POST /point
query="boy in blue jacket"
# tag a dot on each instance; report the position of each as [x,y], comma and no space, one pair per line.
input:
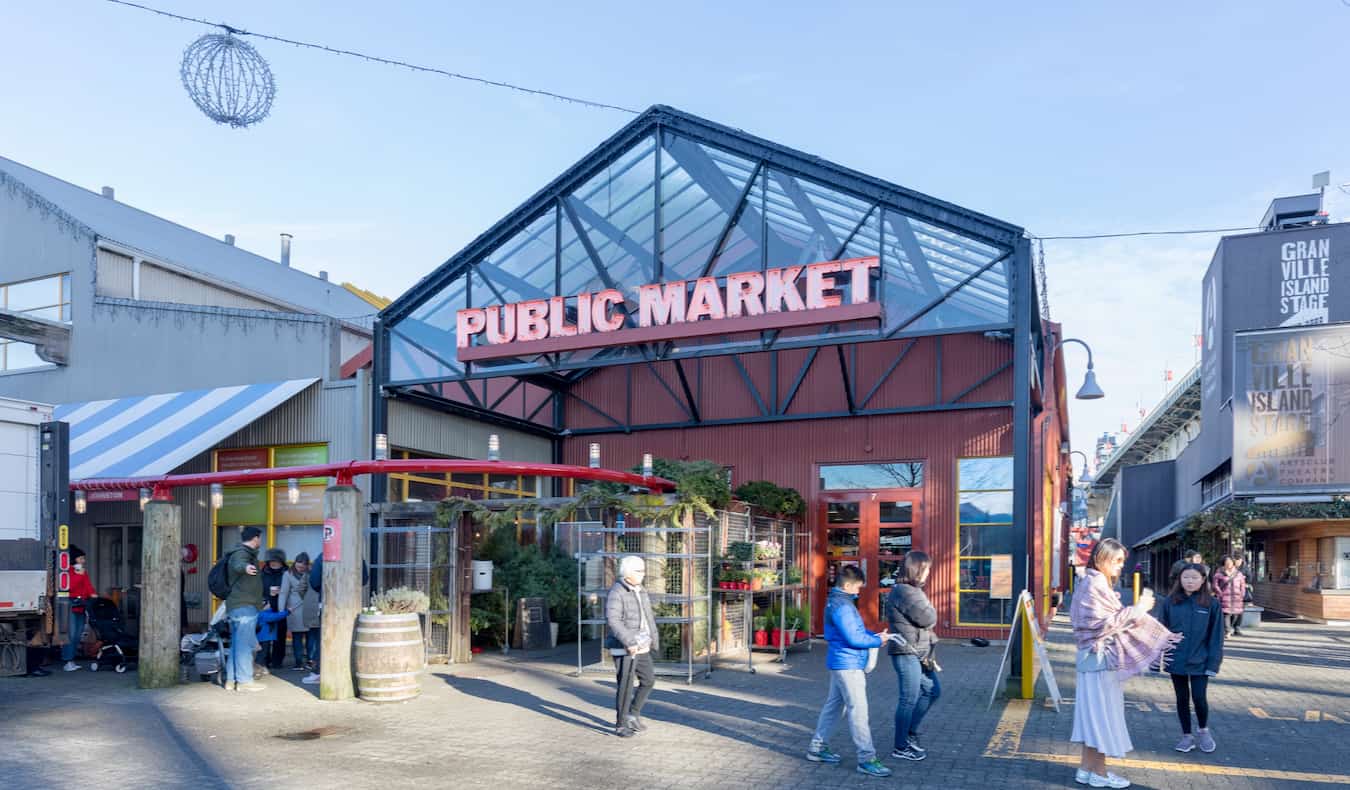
[846,657]
[267,631]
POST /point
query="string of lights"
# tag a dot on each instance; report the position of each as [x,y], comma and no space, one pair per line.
[382,60]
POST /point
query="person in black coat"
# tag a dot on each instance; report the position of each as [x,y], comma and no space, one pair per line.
[1192,610]
[273,569]
[912,617]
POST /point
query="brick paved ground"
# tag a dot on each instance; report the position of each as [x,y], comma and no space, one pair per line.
[1281,704]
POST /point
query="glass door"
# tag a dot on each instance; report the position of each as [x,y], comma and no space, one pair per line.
[871,529]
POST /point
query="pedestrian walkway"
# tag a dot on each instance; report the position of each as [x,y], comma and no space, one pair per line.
[1280,713]
[1278,710]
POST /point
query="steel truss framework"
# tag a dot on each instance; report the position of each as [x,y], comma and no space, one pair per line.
[675,197]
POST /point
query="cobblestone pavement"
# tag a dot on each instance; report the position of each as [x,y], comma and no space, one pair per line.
[1280,712]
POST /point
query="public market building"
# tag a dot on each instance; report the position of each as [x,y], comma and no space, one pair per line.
[695,292]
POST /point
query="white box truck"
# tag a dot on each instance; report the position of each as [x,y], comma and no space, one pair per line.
[34,502]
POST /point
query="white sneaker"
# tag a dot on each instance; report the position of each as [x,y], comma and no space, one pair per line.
[310,679]
[1110,780]
[1082,776]
[71,666]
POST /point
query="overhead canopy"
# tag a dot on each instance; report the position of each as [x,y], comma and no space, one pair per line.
[155,434]
[673,197]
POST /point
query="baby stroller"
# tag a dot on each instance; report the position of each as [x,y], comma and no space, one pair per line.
[115,645]
[207,652]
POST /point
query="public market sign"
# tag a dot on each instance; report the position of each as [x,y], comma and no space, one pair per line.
[791,296]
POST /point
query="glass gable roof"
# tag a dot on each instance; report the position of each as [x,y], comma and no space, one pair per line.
[667,207]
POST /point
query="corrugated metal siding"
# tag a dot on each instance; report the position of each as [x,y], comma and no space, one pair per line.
[787,454]
[114,274]
[418,428]
[162,285]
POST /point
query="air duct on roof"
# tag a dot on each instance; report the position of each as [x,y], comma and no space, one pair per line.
[229,239]
[108,193]
[285,249]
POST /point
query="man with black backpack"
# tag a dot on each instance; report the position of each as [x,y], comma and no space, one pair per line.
[241,607]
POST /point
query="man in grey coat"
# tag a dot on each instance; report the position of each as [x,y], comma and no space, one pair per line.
[631,640]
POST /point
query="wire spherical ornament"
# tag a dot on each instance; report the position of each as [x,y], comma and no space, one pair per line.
[228,80]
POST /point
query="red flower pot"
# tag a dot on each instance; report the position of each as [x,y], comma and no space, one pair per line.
[475,650]
[776,638]
[742,585]
[761,639]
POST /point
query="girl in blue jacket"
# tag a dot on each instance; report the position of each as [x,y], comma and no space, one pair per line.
[1192,611]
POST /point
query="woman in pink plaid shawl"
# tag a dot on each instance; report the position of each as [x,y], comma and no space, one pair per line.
[1115,643]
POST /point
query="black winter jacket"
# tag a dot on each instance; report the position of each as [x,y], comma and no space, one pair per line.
[912,616]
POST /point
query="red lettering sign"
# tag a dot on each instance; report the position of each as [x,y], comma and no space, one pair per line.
[780,298]
[332,540]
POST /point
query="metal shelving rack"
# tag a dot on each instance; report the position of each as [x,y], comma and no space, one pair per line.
[679,574]
[796,548]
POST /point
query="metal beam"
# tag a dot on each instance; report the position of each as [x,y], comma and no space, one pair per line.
[732,218]
[51,338]
[616,235]
[848,384]
[688,394]
[661,380]
[750,384]
[593,407]
[472,412]
[1022,472]
[983,381]
[774,418]
[797,383]
[894,364]
[806,208]
[934,303]
[904,234]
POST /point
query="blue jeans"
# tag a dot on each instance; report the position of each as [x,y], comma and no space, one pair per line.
[73,640]
[243,638]
[303,643]
[848,694]
[315,639]
[918,691]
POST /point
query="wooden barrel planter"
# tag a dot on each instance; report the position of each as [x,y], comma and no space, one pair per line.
[388,655]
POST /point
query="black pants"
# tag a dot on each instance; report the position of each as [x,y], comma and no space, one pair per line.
[1234,620]
[626,703]
[1191,688]
[277,658]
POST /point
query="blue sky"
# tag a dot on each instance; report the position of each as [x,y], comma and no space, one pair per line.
[1064,118]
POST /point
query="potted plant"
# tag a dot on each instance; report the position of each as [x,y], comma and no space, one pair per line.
[761,631]
[741,551]
[794,575]
[767,550]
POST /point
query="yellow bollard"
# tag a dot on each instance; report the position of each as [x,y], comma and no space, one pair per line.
[1028,658]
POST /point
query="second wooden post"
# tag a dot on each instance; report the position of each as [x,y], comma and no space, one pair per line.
[341,589]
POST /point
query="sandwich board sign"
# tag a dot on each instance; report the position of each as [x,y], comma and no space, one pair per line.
[1026,610]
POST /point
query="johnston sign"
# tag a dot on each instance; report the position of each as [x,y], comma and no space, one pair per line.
[747,302]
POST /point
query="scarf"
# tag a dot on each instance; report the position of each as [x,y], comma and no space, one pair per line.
[1131,639]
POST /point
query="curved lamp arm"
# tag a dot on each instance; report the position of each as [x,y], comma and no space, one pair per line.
[1089,390]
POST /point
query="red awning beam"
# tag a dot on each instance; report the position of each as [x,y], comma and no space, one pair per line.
[160,485]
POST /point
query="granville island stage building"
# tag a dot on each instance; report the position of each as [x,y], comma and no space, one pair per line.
[691,291]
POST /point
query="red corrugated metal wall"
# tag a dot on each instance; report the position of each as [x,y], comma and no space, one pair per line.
[788,453]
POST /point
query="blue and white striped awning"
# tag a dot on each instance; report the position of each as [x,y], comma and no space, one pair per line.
[155,434]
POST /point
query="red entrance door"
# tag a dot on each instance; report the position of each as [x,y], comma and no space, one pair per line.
[874,530]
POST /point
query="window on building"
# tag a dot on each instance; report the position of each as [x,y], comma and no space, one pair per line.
[1290,571]
[848,477]
[1333,563]
[984,530]
[431,487]
[45,297]
[1216,485]
[293,527]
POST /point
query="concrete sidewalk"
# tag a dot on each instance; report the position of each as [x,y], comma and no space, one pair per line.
[1280,708]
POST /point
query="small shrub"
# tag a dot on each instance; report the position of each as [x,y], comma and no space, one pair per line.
[401,600]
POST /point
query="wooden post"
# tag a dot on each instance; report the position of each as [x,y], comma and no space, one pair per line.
[161,540]
[341,590]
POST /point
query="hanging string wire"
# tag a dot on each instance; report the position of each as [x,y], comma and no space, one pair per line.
[386,61]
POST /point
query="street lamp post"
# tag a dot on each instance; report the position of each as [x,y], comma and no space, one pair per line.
[1089,390]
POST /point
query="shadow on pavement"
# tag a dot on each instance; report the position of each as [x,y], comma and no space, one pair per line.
[498,692]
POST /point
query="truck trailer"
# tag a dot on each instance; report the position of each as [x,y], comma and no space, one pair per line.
[34,514]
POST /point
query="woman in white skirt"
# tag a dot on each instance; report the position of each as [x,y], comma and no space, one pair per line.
[1114,643]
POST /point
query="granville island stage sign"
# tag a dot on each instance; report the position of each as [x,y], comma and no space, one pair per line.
[791,296]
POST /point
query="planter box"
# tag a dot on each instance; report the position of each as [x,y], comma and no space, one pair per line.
[1251,616]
